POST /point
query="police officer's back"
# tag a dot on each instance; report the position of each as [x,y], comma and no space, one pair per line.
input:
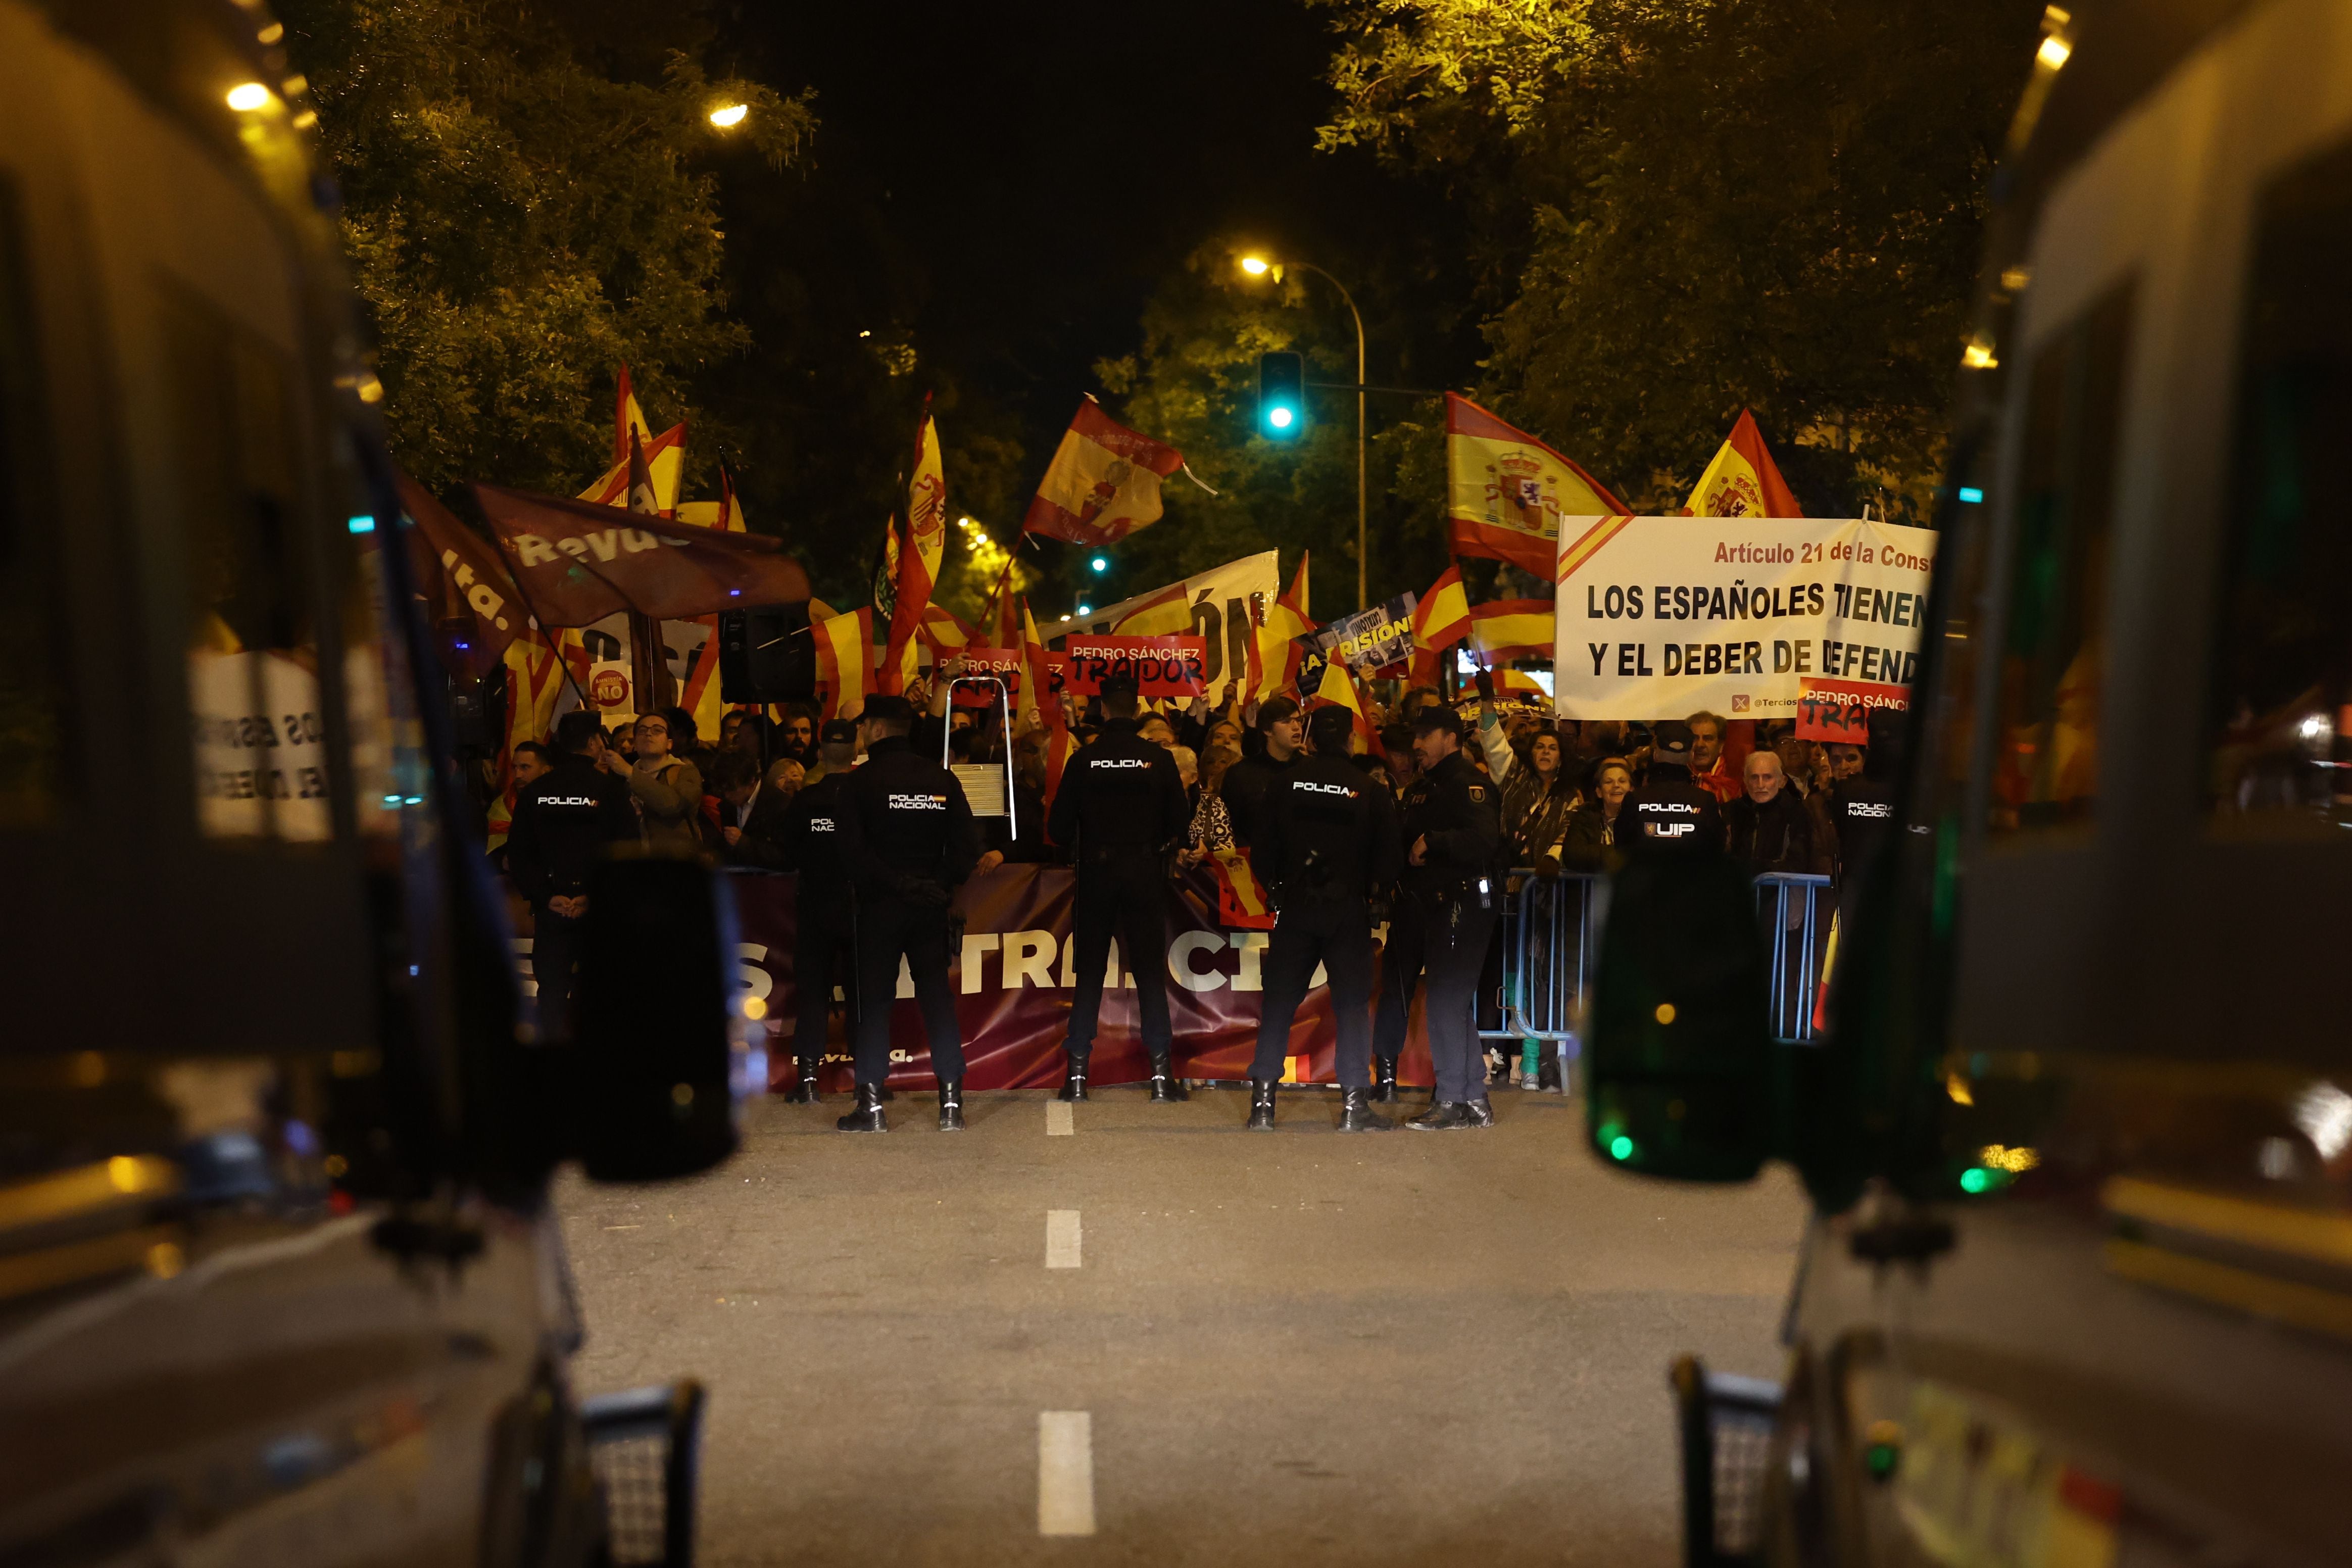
[908,839]
[1669,813]
[1121,808]
[1327,846]
[1453,835]
[563,823]
[822,953]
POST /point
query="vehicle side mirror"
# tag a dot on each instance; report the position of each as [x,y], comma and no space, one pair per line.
[1682,1059]
[656,1021]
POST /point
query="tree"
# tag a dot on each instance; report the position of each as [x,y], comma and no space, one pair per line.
[1691,206]
[529,201]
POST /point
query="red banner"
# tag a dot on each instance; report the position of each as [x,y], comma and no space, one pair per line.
[1162,666]
[1838,711]
[1012,982]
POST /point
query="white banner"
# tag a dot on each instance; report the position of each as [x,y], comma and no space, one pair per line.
[1662,616]
[1223,603]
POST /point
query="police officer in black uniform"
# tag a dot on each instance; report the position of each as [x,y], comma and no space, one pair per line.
[908,839]
[1327,847]
[563,822]
[1403,955]
[824,952]
[1670,814]
[1453,835]
[1863,808]
[1121,807]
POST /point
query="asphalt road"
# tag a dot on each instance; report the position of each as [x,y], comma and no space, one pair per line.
[1291,1347]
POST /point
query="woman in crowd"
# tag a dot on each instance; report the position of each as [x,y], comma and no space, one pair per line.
[1536,801]
[1591,842]
[1212,826]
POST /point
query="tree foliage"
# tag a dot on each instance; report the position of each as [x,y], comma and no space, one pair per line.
[529,201]
[1690,207]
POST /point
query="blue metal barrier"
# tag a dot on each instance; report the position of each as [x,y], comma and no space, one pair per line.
[1795,910]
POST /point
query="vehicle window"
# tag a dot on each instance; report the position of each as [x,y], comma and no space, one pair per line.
[2053,651]
[253,657]
[2283,653]
[32,705]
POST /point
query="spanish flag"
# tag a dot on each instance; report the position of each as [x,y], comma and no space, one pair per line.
[1274,657]
[699,694]
[845,662]
[1508,491]
[1165,613]
[918,565]
[1743,480]
[1103,483]
[1037,692]
[1241,901]
[1441,618]
[1514,628]
[1340,685]
[665,456]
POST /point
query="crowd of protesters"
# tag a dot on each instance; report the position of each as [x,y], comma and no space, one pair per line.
[1782,805]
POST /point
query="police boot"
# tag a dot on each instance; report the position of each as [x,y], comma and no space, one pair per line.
[1357,1115]
[1477,1113]
[804,1091]
[1443,1116]
[1166,1087]
[868,1115]
[1261,1105]
[1385,1088]
[951,1106]
[1073,1080]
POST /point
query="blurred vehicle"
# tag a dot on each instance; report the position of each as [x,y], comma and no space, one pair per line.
[278,1280]
[2078,1289]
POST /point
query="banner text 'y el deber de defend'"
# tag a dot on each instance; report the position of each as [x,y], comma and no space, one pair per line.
[1662,616]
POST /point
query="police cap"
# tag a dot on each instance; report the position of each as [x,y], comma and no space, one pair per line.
[838,732]
[885,709]
[1437,719]
[1670,742]
[1118,686]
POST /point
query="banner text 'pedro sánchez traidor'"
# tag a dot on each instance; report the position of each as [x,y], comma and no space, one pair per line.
[1660,616]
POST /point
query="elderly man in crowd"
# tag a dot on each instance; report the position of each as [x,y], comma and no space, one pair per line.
[1770,830]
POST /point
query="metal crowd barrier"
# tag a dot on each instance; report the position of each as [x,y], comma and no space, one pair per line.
[1552,945]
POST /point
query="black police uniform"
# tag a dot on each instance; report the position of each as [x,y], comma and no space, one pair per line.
[908,839]
[825,925]
[1121,807]
[561,825]
[1457,897]
[1863,811]
[1249,784]
[1326,845]
[1403,955]
[1670,815]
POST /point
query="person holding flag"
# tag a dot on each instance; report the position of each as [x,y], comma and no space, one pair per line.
[1120,806]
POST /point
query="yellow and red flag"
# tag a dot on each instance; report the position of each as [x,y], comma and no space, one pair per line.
[1241,903]
[1037,692]
[1508,491]
[1103,483]
[701,694]
[919,561]
[1274,657]
[845,662]
[1340,685]
[1166,612]
[1441,618]
[1004,626]
[1513,629]
[944,633]
[1743,480]
[665,456]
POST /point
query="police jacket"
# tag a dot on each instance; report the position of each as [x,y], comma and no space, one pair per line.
[1863,811]
[906,829]
[1248,784]
[811,837]
[1120,798]
[1454,807]
[562,823]
[1669,814]
[1329,832]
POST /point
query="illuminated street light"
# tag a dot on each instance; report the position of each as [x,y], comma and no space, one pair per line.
[1100,563]
[1256,265]
[728,116]
[247,96]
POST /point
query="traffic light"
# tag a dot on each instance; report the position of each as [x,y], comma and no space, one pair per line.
[1281,395]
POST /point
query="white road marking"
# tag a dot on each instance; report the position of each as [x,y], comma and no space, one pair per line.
[1065,1472]
[1058,1123]
[1061,1238]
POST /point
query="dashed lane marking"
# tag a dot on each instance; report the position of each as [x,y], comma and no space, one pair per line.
[1058,1120]
[1062,1238]
[1065,1472]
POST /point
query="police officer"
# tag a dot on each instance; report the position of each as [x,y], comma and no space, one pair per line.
[823,954]
[1250,782]
[1453,835]
[1121,807]
[1327,847]
[908,839]
[1670,813]
[1863,808]
[562,823]
[1403,955]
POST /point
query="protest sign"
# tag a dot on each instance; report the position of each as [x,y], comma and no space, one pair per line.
[1660,616]
[1220,605]
[1162,666]
[1839,710]
[1368,640]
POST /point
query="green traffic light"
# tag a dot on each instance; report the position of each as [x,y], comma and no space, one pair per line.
[1100,563]
[1975,1179]
[1620,1147]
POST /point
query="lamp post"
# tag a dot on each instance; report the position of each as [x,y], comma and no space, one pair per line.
[1259,266]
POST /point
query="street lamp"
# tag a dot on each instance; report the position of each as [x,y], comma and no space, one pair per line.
[728,116]
[1259,267]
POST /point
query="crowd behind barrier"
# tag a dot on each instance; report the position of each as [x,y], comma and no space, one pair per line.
[1561,792]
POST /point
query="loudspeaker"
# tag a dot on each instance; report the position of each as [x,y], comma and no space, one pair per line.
[767,655]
